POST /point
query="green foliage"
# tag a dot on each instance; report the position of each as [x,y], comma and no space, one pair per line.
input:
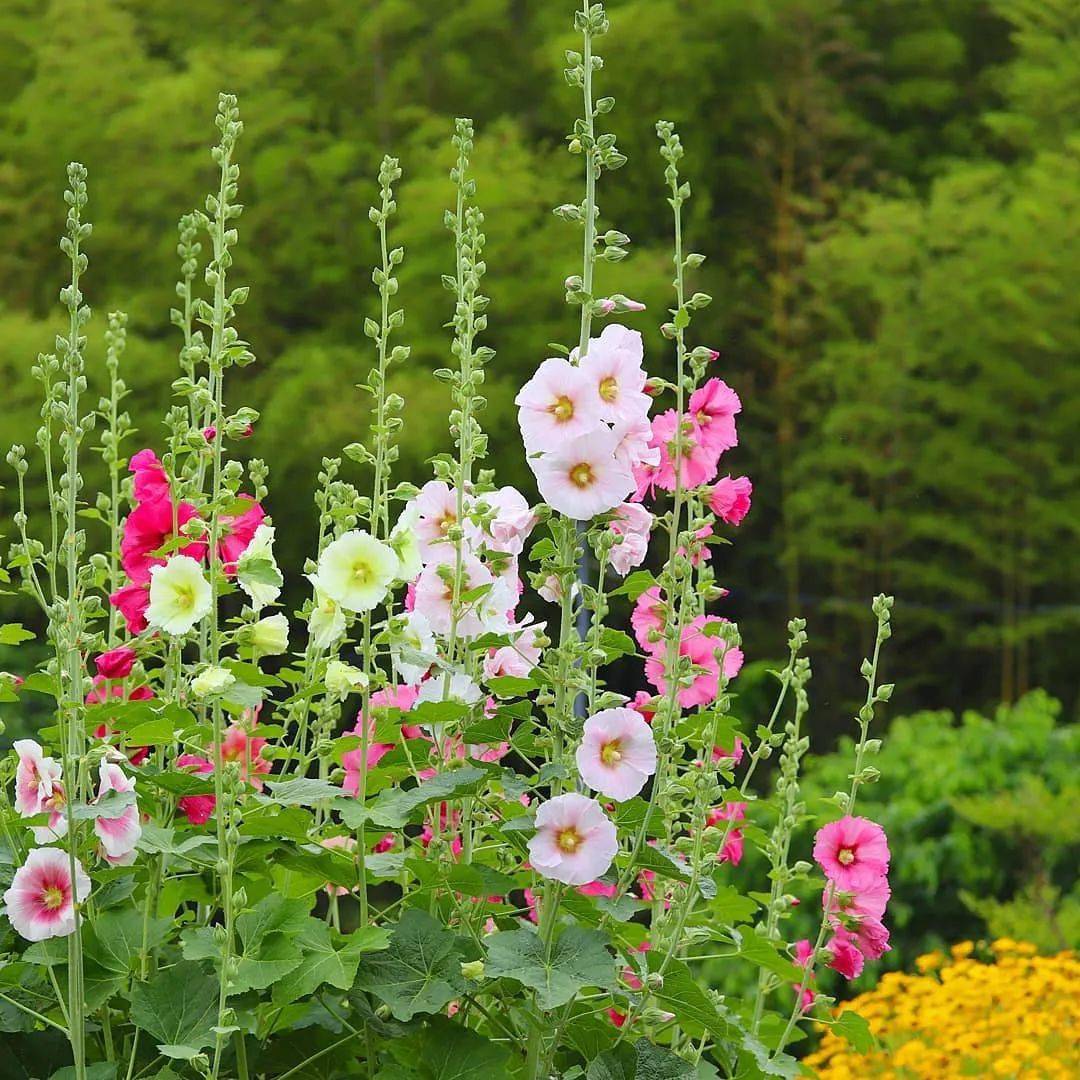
[979,815]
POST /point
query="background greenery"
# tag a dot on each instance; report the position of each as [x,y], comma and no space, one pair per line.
[889,193]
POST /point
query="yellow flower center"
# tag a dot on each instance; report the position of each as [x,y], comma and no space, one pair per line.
[185,598]
[361,572]
[562,409]
[611,752]
[52,898]
[569,840]
[845,856]
[581,474]
[609,388]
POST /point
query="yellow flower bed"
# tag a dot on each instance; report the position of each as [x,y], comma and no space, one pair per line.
[1015,1016]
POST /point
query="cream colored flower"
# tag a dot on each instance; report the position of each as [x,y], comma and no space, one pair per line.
[356,570]
[179,595]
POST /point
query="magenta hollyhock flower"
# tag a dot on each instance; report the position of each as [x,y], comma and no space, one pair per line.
[850,849]
[598,888]
[713,408]
[196,808]
[867,896]
[617,753]
[846,957]
[613,369]
[674,436]
[702,650]
[116,663]
[557,404]
[804,952]
[581,477]
[237,531]
[644,704]
[150,480]
[132,601]
[118,835]
[735,754]
[40,901]
[648,619]
[872,938]
[732,851]
[147,528]
[730,498]
[35,776]
[575,842]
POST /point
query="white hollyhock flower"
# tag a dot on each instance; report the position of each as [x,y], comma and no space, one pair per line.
[179,595]
[344,679]
[413,652]
[211,681]
[269,636]
[405,541]
[257,571]
[356,570]
[326,623]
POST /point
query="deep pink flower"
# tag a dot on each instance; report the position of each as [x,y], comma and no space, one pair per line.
[40,900]
[674,437]
[732,851]
[147,528]
[872,938]
[101,691]
[644,704]
[151,482]
[701,648]
[132,601]
[846,957]
[648,619]
[241,746]
[850,849]
[713,408]
[730,498]
[867,896]
[116,663]
[196,808]
[598,888]
[804,951]
[719,753]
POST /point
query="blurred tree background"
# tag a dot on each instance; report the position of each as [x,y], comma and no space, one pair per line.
[888,192]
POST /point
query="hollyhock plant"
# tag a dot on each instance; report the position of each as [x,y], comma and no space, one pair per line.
[632,523]
[559,403]
[613,367]
[649,619]
[730,499]
[34,778]
[132,601]
[120,833]
[713,408]
[356,570]
[581,477]
[41,899]
[704,651]
[116,663]
[617,754]
[575,841]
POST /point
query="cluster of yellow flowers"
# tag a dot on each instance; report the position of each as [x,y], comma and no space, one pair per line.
[1015,1016]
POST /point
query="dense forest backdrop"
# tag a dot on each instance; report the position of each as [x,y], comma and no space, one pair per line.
[888,192]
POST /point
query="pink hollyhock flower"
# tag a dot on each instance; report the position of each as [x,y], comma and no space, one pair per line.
[649,892]
[644,704]
[713,407]
[674,437]
[698,551]
[338,843]
[719,753]
[101,691]
[209,434]
[517,659]
[384,843]
[40,901]
[511,525]
[55,806]
[532,905]
[352,760]
[732,851]
[147,528]
[132,601]
[617,753]
[804,952]
[613,368]
[849,849]
[436,507]
[237,531]
[116,663]
[196,808]
[633,447]
[702,650]
[598,888]
[557,404]
[872,938]
[616,1017]
[150,479]
[395,697]
[575,843]
[633,523]
[649,618]
[35,776]
[240,745]
[846,957]
[435,592]
[867,896]
[118,835]
[730,499]
[449,823]
[581,477]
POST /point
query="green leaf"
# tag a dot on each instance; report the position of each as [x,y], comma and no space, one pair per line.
[178,1006]
[644,1062]
[14,633]
[856,1030]
[328,959]
[506,686]
[393,806]
[115,938]
[637,583]
[302,791]
[445,1051]
[729,906]
[682,995]
[578,958]
[757,950]
[420,970]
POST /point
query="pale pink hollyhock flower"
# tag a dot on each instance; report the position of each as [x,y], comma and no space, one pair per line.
[849,849]
[35,776]
[196,808]
[436,506]
[649,618]
[116,663]
[517,659]
[118,835]
[238,530]
[57,827]
[730,498]
[617,753]
[551,589]
[713,408]
[633,523]
[613,367]
[41,900]
[558,403]
[434,591]
[846,957]
[132,601]
[513,520]
[575,843]
[581,477]
[701,649]
[338,843]
[634,447]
